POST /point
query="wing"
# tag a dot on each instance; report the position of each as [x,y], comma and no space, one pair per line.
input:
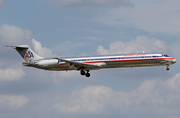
[79,65]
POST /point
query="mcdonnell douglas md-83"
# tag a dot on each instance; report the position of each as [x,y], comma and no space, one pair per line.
[85,64]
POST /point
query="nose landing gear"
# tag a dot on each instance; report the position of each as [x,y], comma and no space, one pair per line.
[87,74]
[167,67]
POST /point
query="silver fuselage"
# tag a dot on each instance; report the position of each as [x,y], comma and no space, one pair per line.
[111,61]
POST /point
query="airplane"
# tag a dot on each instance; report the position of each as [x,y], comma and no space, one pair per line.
[87,63]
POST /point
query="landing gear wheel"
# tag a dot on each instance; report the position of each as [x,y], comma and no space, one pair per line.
[82,72]
[87,74]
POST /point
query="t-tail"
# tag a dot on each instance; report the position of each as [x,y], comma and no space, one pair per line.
[26,53]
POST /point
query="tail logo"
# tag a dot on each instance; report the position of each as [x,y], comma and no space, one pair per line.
[29,54]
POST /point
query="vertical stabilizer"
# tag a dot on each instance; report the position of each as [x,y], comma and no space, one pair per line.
[26,53]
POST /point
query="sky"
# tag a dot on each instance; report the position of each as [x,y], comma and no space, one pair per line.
[58,28]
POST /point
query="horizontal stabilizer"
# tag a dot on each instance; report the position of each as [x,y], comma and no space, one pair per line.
[19,46]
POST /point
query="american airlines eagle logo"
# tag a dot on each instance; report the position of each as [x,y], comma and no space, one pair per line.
[29,54]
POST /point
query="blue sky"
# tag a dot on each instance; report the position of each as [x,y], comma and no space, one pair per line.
[89,27]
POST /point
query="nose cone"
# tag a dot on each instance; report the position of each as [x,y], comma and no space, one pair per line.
[173,61]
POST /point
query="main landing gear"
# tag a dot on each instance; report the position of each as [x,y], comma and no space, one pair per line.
[87,74]
[167,67]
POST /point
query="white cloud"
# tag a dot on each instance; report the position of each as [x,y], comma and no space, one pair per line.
[10,74]
[162,16]
[138,45]
[155,96]
[86,100]
[10,34]
[68,3]
[41,51]
[1,3]
[14,101]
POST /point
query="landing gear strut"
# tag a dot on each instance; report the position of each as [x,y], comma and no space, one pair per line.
[167,67]
[87,74]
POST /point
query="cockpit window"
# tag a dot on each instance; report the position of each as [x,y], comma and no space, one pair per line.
[165,55]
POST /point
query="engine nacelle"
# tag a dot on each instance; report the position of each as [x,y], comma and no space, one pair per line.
[48,63]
